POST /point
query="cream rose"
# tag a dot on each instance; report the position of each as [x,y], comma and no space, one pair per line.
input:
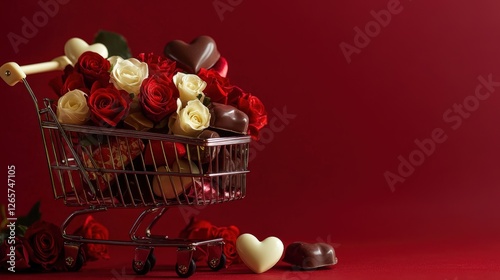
[189,86]
[190,120]
[128,74]
[72,108]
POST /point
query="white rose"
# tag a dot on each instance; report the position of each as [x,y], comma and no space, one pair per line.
[72,108]
[190,120]
[128,74]
[189,86]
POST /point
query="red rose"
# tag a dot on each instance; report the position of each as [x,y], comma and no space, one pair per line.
[94,68]
[194,226]
[74,80]
[217,88]
[91,229]
[200,230]
[108,106]
[21,256]
[229,234]
[46,249]
[158,98]
[203,230]
[159,65]
[234,96]
[70,80]
[253,107]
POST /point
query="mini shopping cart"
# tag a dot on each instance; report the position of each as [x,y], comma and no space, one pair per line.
[132,179]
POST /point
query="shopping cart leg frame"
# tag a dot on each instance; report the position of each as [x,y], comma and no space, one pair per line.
[151,240]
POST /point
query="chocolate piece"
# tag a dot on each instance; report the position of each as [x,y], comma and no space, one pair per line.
[200,53]
[206,154]
[138,122]
[227,163]
[228,118]
[310,256]
[135,187]
[172,186]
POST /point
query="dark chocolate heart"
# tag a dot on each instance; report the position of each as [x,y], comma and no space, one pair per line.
[310,256]
[200,53]
[228,118]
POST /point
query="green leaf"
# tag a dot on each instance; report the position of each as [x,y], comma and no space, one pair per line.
[116,43]
[32,216]
[21,230]
[206,100]
[4,234]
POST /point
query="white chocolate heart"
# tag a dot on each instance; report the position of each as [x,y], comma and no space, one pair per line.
[259,256]
[74,47]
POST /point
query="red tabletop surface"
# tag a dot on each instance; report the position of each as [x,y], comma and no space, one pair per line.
[421,259]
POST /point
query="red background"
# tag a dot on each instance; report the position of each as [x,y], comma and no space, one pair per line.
[320,178]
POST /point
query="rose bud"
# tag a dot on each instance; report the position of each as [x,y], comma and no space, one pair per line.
[72,108]
[93,67]
[191,120]
[158,98]
[189,86]
[108,106]
[128,74]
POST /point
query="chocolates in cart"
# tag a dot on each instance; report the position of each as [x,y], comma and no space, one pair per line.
[153,128]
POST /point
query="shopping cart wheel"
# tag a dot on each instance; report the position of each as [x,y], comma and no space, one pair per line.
[144,260]
[212,263]
[80,259]
[142,269]
[73,256]
[152,260]
[184,271]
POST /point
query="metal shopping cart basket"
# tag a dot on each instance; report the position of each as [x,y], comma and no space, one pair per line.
[122,168]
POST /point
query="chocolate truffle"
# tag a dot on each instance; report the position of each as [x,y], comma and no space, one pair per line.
[206,154]
[171,186]
[228,118]
[228,162]
[309,256]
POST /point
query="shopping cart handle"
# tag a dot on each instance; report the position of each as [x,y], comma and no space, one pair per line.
[12,73]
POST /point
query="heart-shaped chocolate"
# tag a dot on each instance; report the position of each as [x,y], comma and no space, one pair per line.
[200,53]
[74,47]
[259,256]
[310,256]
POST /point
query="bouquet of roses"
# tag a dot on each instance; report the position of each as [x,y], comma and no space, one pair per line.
[152,92]
[185,92]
